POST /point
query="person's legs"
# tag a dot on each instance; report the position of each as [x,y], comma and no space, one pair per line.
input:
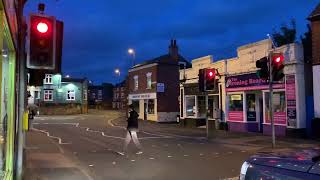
[127,141]
[136,140]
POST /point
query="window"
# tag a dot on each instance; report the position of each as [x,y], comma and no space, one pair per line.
[48,79]
[37,94]
[122,95]
[151,106]
[236,102]
[99,94]
[149,81]
[190,106]
[48,95]
[182,65]
[201,106]
[251,107]
[85,95]
[279,107]
[136,82]
[71,95]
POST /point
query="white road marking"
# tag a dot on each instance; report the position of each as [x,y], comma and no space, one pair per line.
[185,155]
[133,160]
[114,163]
[91,165]
[169,156]
[201,154]
[151,158]
[48,134]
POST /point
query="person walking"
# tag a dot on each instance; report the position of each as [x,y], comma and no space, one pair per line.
[132,129]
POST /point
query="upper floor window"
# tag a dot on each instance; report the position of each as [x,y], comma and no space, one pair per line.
[99,94]
[48,95]
[136,82]
[37,94]
[149,80]
[85,95]
[48,79]
[71,95]
[182,65]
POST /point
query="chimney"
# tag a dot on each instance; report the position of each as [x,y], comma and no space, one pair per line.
[173,50]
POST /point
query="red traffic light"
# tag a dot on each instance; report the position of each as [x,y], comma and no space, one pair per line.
[277,58]
[211,73]
[42,27]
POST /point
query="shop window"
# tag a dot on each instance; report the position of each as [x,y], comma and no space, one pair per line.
[213,107]
[251,107]
[201,106]
[149,81]
[48,95]
[279,107]
[48,79]
[136,105]
[190,105]
[71,95]
[236,102]
[151,106]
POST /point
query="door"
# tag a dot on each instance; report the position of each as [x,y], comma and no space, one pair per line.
[145,107]
[260,114]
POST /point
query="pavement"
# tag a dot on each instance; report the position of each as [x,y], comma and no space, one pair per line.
[88,146]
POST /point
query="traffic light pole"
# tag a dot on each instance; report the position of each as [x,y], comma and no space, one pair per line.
[271,101]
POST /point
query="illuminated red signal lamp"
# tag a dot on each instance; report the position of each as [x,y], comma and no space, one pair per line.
[42,27]
[278,58]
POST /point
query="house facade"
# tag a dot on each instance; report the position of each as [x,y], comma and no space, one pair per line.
[314,18]
[154,86]
[241,97]
[60,95]
[100,96]
[120,96]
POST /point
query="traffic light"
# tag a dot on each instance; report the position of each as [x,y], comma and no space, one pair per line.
[210,79]
[207,80]
[201,81]
[42,42]
[262,65]
[277,66]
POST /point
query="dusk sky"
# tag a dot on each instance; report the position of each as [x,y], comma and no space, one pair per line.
[98,33]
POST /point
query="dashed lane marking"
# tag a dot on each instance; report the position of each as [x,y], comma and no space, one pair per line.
[48,134]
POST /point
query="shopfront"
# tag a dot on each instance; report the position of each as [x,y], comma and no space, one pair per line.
[248,104]
[145,104]
[7,99]
[197,106]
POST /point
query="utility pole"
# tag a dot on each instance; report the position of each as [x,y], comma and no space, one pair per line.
[271,94]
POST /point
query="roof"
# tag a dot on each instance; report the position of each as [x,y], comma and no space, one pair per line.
[315,13]
[73,80]
[162,59]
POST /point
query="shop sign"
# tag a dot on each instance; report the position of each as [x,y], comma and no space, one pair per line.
[291,100]
[143,96]
[160,87]
[248,82]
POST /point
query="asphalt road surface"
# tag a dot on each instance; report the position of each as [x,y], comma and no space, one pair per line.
[93,141]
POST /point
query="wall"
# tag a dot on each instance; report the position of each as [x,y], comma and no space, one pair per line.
[168,100]
[141,72]
[316,89]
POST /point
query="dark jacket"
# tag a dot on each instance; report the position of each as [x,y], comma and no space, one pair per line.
[133,120]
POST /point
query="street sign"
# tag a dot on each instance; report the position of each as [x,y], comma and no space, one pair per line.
[160,87]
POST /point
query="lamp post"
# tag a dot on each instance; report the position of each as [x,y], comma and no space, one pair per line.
[133,53]
[117,72]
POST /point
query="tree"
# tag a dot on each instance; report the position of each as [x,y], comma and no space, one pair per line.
[306,41]
[286,34]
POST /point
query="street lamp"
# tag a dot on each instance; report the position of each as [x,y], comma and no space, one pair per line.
[133,53]
[117,71]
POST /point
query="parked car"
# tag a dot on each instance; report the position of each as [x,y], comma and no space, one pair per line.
[304,164]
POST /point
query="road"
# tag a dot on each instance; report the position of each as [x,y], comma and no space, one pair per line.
[91,142]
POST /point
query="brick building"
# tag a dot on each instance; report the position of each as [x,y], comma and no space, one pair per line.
[120,96]
[154,86]
[314,18]
[100,96]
